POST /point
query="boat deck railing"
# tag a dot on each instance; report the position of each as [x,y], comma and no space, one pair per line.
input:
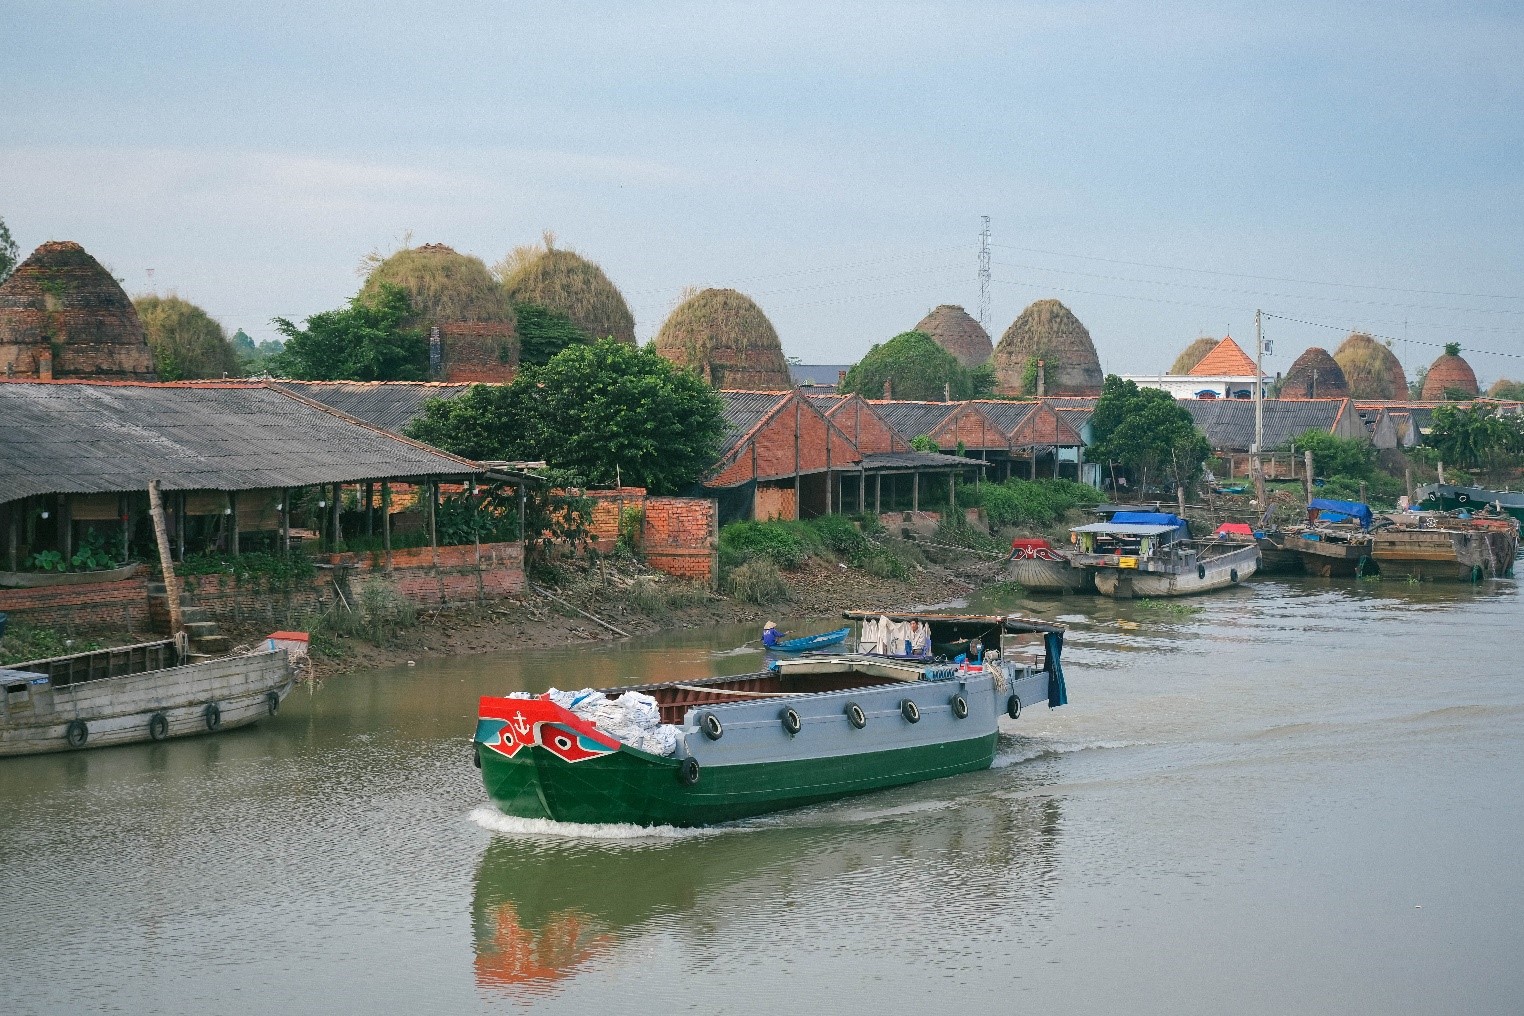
[100,664]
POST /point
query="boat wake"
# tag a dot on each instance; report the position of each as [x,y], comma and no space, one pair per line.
[1029,750]
[495,821]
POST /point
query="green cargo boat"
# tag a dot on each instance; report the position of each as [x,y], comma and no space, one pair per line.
[1448,497]
[807,730]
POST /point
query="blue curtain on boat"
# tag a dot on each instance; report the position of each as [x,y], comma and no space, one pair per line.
[1058,695]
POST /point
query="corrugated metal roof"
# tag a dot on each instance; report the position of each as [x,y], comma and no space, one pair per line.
[390,405]
[743,411]
[1006,415]
[913,419]
[1229,423]
[106,438]
[917,460]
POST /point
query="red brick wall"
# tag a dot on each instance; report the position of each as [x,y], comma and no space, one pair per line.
[121,604]
[481,351]
[603,526]
[865,427]
[679,537]
[971,427]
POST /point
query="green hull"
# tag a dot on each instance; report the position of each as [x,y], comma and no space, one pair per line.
[630,786]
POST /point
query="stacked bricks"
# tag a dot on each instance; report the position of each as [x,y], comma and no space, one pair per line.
[97,605]
[603,523]
[479,351]
[680,537]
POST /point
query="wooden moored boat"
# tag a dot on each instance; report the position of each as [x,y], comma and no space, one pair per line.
[1450,497]
[806,730]
[134,693]
[1036,566]
[1435,545]
[1336,541]
[1152,554]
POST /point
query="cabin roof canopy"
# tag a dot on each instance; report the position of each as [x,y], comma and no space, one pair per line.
[85,438]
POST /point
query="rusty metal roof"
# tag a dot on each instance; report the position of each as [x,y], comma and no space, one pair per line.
[743,411]
[82,437]
[390,405]
[913,419]
[1229,423]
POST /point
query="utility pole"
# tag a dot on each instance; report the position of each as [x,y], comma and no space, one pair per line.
[984,272]
[1259,384]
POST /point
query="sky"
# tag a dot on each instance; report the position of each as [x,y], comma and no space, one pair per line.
[1163,169]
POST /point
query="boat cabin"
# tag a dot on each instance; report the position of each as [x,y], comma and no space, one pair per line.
[1128,538]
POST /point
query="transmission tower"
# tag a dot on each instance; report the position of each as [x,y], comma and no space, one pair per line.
[984,272]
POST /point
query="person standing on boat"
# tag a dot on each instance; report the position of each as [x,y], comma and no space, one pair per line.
[770,635]
[919,643]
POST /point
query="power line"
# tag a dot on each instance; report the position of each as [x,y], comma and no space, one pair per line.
[1390,338]
[1262,278]
[984,273]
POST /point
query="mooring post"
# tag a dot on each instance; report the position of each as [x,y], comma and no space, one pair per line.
[166,564]
[1407,479]
[1307,459]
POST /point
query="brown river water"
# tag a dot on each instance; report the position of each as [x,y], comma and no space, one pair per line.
[1295,796]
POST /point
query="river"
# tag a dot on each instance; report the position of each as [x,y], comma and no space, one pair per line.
[1297,795]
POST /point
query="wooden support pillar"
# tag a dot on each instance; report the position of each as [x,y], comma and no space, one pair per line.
[1259,488]
[1307,478]
[523,510]
[336,525]
[167,566]
[952,491]
[11,511]
[124,510]
[386,521]
[862,492]
[180,523]
[878,493]
[915,491]
[233,522]
[433,525]
[1363,497]
[370,514]
[285,520]
[66,526]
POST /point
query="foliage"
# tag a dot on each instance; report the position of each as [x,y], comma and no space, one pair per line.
[365,341]
[543,333]
[601,413]
[1027,502]
[1509,391]
[1457,395]
[1452,349]
[1144,429]
[491,514]
[376,613]
[186,342]
[658,597]
[563,281]
[10,255]
[757,582]
[1337,456]
[789,544]
[1475,437]
[282,570]
[956,532]
[97,551]
[1415,388]
[254,359]
[1381,490]
[925,443]
[917,368]
[24,642]
[784,543]
[48,560]
[632,522]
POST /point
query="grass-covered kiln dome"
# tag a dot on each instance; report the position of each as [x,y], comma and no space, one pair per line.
[1047,331]
[1450,377]
[723,336]
[1192,355]
[953,329]
[567,283]
[457,294]
[63,315]
[1315,375]
[1371,370]
[186,341]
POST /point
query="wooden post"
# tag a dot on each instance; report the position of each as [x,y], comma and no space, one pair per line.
[1363,498]
[166,565]
[1307,479]
[285,520]
[915,491]
[386,521]
[66,526]
[1259,485]
[1407,477]
[1180,497]
[878,493]
[370,514]
[952,491]
[1441,470]
[10,518]
[123,508]
[433,527]
[233,522]
[862,491]
[180,521]
[337,524]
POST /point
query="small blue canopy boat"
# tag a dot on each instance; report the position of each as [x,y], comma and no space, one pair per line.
[805,643]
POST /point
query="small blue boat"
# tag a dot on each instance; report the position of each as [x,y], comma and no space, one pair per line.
[808,642]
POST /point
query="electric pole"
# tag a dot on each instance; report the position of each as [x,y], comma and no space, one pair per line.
[1259,384]
[984,273]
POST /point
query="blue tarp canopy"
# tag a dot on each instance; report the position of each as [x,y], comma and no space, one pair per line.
[1148,519]
[1330,510]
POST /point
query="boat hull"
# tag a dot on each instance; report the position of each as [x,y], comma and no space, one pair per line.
[1449,497]
[119,710]
[1213,573]
[1045,576]
[1276,557]
[1445,555]
[558,769]
[1327,559]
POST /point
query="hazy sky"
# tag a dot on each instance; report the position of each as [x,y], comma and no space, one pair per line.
[1162,169]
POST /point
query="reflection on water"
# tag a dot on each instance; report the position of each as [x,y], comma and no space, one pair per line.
[545,906]
[1295,775]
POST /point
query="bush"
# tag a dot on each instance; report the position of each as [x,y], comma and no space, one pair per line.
[958,533]
[377,613]
[24,642]
[656,598]
[1027,502]
[757,582]
[840,535]
[1381,490]
[785,544]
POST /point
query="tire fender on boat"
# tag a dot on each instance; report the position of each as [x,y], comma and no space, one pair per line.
[1233,574]
[855,715]
[791,721]
[272,701]
[213,716]
[712,727]
[1201,571]
[158,727]
[688,772]
[910,711]
[77,733]
[1013,707]
[959,707]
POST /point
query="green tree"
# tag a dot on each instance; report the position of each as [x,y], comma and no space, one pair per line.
[365,341]
[9,253]
[599,413]
[1475,437]
[255,358]
[917,368]
[1147,432]
[1337,456]
[186,342]
[543,333]
[925,443]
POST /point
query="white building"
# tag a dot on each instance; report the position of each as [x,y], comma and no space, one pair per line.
[1226,372]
